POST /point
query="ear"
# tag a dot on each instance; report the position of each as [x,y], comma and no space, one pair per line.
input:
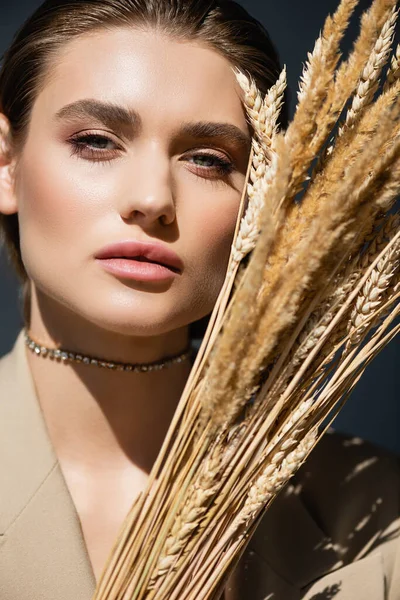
[8,200]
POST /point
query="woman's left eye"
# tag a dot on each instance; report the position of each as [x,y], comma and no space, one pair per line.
[85,146]
[221,166]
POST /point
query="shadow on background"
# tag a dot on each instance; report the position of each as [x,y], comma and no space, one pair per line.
[372,411]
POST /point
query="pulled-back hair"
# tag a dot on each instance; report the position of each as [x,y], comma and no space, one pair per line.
[223,25]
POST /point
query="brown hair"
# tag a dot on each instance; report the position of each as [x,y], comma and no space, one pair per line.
[221,24]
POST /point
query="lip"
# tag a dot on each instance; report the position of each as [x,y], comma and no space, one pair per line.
[127,268]
[154,252]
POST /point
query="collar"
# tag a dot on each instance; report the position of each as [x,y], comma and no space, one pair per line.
[43,543]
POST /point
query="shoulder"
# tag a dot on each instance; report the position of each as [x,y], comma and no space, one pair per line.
[344,451]
[351,487]
[342,506]
[345,467]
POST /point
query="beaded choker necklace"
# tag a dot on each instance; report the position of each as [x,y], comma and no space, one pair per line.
[68,356]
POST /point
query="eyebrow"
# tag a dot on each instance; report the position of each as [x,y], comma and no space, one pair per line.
[116,116]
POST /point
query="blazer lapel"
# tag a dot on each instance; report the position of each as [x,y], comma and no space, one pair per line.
[42,549]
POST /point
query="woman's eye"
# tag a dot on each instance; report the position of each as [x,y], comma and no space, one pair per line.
[91,145]
[213,163]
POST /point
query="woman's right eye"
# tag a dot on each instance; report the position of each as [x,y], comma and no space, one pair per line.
[82,145]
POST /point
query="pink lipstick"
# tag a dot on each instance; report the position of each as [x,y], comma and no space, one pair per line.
[140,261]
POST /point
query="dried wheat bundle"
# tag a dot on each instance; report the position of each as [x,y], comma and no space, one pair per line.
[295,325]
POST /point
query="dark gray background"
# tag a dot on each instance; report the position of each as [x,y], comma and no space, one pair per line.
[373,409]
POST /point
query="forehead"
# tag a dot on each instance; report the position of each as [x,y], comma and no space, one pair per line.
[173,78]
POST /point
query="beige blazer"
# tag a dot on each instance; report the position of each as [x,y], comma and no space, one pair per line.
[332,533]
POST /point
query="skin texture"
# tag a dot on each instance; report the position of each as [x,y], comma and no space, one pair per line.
[107,427]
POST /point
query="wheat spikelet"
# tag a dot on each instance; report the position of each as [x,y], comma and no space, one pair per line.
[274,477]
[264,115]
[293,425]
[392,290]
[272,107]
[369,80]
[371,293]
[390,189]
[389,224]
[394,70]
[317,326]
[250,224]
[190,516]
[257,171]
[306,76]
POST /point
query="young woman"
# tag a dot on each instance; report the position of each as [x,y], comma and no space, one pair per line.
[124,142]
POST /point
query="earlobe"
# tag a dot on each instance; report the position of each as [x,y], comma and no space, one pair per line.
[8,200]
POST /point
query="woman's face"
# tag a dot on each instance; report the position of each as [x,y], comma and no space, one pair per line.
[147,180]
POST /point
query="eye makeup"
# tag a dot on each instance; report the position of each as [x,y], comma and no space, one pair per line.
[82,146]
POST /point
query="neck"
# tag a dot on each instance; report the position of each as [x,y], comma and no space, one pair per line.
[98,416]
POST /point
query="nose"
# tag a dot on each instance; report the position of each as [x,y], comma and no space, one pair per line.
[150,196]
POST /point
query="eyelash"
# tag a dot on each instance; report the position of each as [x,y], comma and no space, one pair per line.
[80,144]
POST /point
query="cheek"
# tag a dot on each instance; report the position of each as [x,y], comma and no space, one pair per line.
[209,227]
[57,207]
[212,225]
[52,197]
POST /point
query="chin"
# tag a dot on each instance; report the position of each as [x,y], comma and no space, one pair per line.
[129,322]
[121,314]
